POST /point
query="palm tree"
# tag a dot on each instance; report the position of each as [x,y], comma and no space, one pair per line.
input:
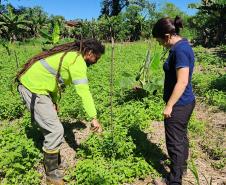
[37,20]
[11,25]
[113,7]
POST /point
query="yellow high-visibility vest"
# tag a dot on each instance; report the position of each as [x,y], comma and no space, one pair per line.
[40,78]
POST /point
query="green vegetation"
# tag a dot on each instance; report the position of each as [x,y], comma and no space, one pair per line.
[195,172]
[122,153]
[19,154]
[116,147]
[130,20]
[210,79]
[117,155]
[210,22]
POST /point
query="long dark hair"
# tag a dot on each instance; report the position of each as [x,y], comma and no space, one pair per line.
[167,26]
[82,47]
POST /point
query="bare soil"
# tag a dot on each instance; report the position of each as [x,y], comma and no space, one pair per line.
[215,125]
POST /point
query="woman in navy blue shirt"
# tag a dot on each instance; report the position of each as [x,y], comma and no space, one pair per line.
[178,95]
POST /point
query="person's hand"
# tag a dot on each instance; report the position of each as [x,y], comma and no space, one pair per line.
[96,126]
[167,111]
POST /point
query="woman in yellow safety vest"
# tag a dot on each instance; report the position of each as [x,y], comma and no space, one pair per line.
[39,85]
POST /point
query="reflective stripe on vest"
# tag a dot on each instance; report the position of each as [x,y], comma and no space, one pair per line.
[80,81]
[50,69]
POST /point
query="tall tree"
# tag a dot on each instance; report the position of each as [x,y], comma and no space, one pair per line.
[105,8]
[112,7]
[12,25]
[37,18]
[170,10]
[210,21]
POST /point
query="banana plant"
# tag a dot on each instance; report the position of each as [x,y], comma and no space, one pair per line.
[12,25]
[54,37]
[126,82]
[38,20]
[144,72]
[148,77]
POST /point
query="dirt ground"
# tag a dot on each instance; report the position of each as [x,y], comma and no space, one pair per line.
[216,123]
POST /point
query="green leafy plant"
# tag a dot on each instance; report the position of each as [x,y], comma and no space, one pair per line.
[194,171]
[147,78]
[5,44]
[54,36]
[109,159]
[19,157]
[11,24]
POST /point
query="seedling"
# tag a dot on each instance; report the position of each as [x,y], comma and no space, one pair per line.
[147,79]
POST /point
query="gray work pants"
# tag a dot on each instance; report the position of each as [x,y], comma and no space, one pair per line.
[45,115]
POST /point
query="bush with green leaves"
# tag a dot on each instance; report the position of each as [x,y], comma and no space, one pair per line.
[11,105]
[209,58]
[19,156]
[196,126]
[210,80]
[100,171]
[109,159]
[205,85]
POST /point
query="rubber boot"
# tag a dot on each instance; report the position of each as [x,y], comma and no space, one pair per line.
[53,175]
[62,164]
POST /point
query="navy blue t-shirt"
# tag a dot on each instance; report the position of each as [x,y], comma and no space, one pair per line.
[180,55]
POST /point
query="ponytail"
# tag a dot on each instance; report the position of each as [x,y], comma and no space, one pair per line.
[57,49]
[82,47]
[178,24]
[167,26]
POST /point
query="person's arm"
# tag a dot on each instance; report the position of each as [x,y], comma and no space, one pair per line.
[80,81]
[182,82]
[87,99]
[88,104]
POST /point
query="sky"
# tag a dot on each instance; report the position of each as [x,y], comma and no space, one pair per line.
[85,9]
